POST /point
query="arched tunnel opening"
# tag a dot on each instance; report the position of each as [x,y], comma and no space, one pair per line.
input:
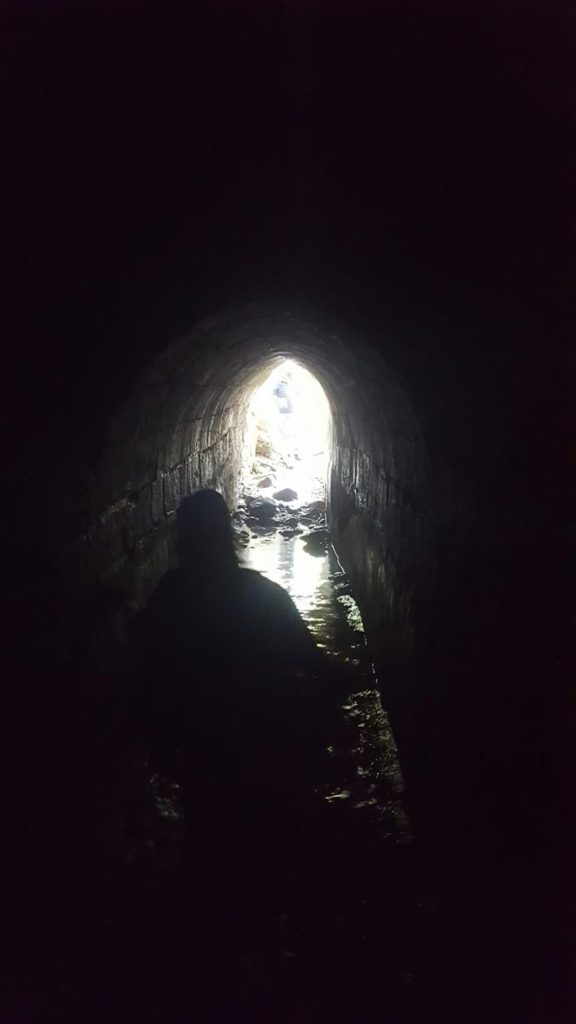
[411,740]
[190,423]
[417,749]
[369,593]
[290,420]
[354,549]
[356,553]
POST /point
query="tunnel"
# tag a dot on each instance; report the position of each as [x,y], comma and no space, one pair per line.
[418,539]
[184,428]
[376,192]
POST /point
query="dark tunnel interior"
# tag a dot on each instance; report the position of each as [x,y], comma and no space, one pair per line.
[378,192]
[184,428]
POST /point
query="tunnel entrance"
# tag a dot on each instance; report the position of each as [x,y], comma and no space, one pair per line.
[288,435]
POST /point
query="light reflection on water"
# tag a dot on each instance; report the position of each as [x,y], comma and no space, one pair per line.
[367,771]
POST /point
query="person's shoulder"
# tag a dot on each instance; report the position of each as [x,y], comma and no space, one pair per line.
[255,581]
[172,582]
[253,578]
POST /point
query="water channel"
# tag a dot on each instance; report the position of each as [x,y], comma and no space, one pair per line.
[366,775]
[360,947]
[347,945]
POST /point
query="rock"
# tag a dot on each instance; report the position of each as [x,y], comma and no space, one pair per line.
[266,481]
[316,541]
[315,520]
[263,508]
[286,494]
[315,551]
[320,504]
[239,528]
[263,448]
[317,535]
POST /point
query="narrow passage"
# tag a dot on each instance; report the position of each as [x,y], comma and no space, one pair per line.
[365,774]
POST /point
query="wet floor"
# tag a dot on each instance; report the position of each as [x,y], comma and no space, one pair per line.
[365,771]
[346,946]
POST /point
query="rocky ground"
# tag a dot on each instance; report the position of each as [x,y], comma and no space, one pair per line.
[279,496]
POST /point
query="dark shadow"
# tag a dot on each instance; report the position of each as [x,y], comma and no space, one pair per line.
[231,698]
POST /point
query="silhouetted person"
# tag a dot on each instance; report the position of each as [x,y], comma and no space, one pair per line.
[230,679]
[215,635]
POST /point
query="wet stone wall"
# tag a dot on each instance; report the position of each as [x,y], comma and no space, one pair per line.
[130,543]
[185,427]
[381,513]
[384,540]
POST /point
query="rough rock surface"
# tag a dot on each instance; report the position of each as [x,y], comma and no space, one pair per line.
[263,448]
[263,508]
[316,541]
[286,494]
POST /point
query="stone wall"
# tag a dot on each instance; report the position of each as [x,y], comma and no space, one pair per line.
[184,427]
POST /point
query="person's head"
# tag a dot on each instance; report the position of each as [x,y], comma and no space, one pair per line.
[204,531]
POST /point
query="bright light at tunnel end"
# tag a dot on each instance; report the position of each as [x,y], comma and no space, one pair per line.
[290,411]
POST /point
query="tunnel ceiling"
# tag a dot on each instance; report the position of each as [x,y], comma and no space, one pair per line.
[199,388]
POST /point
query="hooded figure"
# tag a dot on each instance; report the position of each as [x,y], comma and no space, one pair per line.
[234,697]
[223,650]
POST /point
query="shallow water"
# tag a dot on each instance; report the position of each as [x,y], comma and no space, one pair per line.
[342,937]
[364,779]
[365,775]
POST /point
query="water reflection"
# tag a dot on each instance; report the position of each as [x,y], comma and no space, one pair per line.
[366,775]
